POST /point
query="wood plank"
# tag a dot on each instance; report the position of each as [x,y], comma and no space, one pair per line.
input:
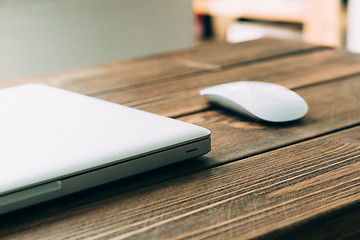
[131,73]
[244,199]
[342,223]
[177,97]
[332,106]
[105,212]
[249,138]
[244,138]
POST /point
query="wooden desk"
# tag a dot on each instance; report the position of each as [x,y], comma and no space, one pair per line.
[298,180]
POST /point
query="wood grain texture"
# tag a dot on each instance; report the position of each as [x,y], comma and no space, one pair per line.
[332,106]
[259,180]
[131,73]
[233,138]
[176,97]
[243,199]
[171,96]
[342,223]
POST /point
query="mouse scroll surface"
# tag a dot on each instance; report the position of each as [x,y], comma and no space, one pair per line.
[261,100]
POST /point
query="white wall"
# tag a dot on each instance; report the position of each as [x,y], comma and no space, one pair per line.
[43,36]
[353,31]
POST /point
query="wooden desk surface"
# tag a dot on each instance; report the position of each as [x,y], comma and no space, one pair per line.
[298,180]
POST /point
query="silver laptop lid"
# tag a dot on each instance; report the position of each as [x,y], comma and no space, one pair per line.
[47,133]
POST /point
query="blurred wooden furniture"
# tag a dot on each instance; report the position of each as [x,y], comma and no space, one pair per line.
[288,181]
[321,19]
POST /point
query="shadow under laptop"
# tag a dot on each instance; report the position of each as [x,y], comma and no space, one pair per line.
[97,198]
[111,195]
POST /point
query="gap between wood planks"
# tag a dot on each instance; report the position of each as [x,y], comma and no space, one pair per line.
[292,143]
[210,107]
[164,97]
[152,214]
[207,68]
[120,73]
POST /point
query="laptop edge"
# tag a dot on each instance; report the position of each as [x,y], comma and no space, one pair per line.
[71,184]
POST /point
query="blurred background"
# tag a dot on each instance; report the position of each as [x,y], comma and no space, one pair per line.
[324,22]
[39,37]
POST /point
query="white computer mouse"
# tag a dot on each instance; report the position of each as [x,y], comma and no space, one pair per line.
[261,100]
